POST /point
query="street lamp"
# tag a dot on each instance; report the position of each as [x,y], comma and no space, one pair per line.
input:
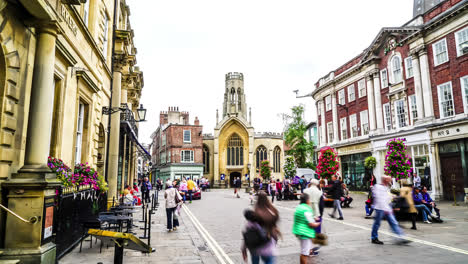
[141,113]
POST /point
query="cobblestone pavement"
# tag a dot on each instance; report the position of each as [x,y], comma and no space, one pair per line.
[210,232]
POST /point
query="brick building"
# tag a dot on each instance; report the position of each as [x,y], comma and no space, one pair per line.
[411,82]
[177,146]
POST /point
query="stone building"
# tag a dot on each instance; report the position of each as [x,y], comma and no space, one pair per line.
[56,74]
[177,147]
[410,82]
[235,150]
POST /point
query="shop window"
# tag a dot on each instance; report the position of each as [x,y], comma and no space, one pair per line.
[445,100]
[343,128]
[351,91]
[461,37]
[409,67]
[440,52]
[364,122]
[387,117]
[353,125]
[330,132]
[464,88]
[383,78]
[362,88]
[400,113]
[420,163]
[261,155]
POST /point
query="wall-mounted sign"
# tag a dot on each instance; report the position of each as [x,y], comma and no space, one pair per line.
[48,222]
[223,177]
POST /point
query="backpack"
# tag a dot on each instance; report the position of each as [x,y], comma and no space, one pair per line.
[255,237]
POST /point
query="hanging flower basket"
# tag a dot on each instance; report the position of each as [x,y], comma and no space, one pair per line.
[397,162]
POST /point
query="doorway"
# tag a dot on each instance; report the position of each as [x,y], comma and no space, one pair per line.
[452,175]
[232,176]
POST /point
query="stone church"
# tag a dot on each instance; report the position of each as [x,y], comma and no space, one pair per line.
[235,149]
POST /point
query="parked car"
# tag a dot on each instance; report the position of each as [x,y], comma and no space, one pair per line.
[195,195]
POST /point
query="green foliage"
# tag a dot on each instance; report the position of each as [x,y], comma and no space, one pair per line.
[310,165]
[328,164]
[265,170]
[370,162]
[289,167]
[300,148]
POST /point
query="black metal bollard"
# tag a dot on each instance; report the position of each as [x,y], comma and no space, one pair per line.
[145,226]
[143,215]
[149,229]
[118,251]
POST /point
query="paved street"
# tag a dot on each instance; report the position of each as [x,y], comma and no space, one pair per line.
[219,217]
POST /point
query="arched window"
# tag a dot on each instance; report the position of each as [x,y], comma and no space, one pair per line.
[396,69]
[239,96]
[277,159]
[206,159]
[261,154]
[233,95]
[235,151]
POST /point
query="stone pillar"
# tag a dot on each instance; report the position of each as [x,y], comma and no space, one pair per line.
[123,96]
[437,191]
[371,102]
[378,103]
[335,118]
[30,193]
[426,85]
[417,85]
[323,134]
[124,157]
[114,138]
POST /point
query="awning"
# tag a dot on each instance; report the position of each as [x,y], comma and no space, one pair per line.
[135,138]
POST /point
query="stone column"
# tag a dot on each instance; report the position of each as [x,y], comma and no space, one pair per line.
[378,102]
[426,85]
[437,191]
[417,85]
[323,132]
[114,137]
[123,95]
[371,102]
[335,118]
[124,168]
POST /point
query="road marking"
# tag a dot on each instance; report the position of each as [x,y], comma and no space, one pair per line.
[218,251]
[427,243]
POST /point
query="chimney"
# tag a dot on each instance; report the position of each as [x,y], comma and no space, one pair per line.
[196,122]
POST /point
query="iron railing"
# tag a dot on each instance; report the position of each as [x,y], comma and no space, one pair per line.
[126,115]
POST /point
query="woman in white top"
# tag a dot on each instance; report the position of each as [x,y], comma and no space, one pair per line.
[272,190]
[171,205]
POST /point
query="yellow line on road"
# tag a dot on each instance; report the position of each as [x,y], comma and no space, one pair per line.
[218,251]
[427,243]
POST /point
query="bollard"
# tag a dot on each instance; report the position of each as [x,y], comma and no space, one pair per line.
[149,229]
[454,196]
[146,226]
[142,215]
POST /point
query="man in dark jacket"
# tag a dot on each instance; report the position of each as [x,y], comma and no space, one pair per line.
[336,193]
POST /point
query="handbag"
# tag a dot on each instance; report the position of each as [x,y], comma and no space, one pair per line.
[255,237]
[176,197]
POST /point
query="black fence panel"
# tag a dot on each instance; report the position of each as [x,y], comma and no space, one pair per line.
[74,209]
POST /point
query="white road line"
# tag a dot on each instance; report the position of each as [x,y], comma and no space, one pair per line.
[218,251]
[427,243]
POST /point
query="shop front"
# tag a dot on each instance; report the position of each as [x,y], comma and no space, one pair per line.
[353,172]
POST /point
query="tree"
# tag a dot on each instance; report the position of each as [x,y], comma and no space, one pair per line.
[289,167]
[265,169]
[328,164]
[299,148]
[397,162]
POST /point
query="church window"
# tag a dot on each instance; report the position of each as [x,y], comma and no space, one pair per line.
[235,152]
[206,160]
[277,159]
[261,154]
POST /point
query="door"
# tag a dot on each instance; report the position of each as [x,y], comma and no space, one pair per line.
[452,175]
[232,176]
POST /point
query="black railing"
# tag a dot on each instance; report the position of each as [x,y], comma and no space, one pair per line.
[75,207]
[126,115]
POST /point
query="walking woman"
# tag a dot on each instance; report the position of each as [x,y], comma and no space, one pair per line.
[173,199]
[265,217]
[272,189]
[304,227]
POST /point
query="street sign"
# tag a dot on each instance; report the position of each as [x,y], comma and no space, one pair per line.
[223,177]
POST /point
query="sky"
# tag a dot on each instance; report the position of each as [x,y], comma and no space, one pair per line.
[186,47]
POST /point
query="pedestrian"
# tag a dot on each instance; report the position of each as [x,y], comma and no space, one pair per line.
[190,188]
[416,180]
[303,183]
[279,187]
[272,189]
[315,196]
[173,199]
[347,199]
[336,193]
[183,189]
[303,227]
[267,217]
[369,203]
[407,202]
[383,209]
[145,190]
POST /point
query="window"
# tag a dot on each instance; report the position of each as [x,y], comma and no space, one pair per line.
[396,69]
[206,160]
[187,136]
[351,95]
[79,133]
[383,78]
[343,128]
[464,87]
[413,106]
[409,67]
[186,156]
[328,104]
[387,117]
[341,97]
[105,36]
[353,126]
[362,88]
[261,155]
[461,37]
[168,157]
[364,122]
[235,151]
[445,100]
[277,159]
[163,140]
[86,13]
[400,113]
[440,52]
[330,132]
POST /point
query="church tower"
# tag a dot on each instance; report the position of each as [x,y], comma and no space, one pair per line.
[234,97]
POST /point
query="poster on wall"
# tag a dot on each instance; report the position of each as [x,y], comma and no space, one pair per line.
[48,223]
[223,177]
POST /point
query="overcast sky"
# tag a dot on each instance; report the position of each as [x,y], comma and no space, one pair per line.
[185,47]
